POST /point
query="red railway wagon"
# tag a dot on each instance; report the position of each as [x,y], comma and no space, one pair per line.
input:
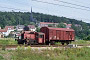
[62,35]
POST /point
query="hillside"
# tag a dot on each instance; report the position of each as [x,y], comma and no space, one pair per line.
[15,18]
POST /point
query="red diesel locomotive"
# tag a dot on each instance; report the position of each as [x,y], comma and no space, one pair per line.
[47,35]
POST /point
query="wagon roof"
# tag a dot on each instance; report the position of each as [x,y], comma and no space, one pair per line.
[65,29]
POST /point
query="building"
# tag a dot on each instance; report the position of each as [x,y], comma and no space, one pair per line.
[78,26]
[9,27]
[68,26]
[6,31]
[12,34]
[32,27]
[46,24]
[32,19]
[1,35]
[19,27]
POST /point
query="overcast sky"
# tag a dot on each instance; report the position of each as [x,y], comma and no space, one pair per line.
[84,15]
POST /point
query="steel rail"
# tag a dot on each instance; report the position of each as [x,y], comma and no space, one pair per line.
[15,46]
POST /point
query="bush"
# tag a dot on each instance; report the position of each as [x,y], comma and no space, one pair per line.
[81,42]
[57,43]
[87,38]
[1,58]
[56,54]
[3,47]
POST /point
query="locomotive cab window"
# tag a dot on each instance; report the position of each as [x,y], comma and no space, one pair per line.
[41,36]
[31,33]
[37,36]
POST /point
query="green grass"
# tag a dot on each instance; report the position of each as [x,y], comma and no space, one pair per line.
[7,41]
[5,55]
[81,42]
[76,42]
[56,54]
[1,58]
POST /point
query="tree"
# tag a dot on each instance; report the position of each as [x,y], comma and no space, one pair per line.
[26,28]
[87,38]
[61,25]
[38,29]
[32,23]
[50,25]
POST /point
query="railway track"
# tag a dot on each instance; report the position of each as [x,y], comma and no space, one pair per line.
[15,46]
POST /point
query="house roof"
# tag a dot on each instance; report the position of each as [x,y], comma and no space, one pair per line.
[20,26]
[64,29]
[31,26]
[40,33]
[3,30]
[68,24]
[47,23]
[6,27]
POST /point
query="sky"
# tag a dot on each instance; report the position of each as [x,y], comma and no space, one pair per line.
[58,10]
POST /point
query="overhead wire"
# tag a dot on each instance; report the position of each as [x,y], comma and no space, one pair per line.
[61,5]
[80,2]
[53,4]
[73,4]
[50,3]
[66,6]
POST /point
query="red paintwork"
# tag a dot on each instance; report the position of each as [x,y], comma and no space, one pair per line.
[34,36]
[48,34]
[29,36]
[58,33]
[41,40]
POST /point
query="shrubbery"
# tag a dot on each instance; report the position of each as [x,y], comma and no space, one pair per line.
[49,54]
[87,38]
[56,54]
[7,41]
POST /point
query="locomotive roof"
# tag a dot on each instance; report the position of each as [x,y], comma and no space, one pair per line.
[40,33]
[64,29]
[29,32]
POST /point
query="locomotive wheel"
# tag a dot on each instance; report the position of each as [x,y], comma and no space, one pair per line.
[20,42]
[67,43]
[62,43]
[47,42]
[25,42]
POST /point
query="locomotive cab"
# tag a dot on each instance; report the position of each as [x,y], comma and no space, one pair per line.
[41,38]
[29,37]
